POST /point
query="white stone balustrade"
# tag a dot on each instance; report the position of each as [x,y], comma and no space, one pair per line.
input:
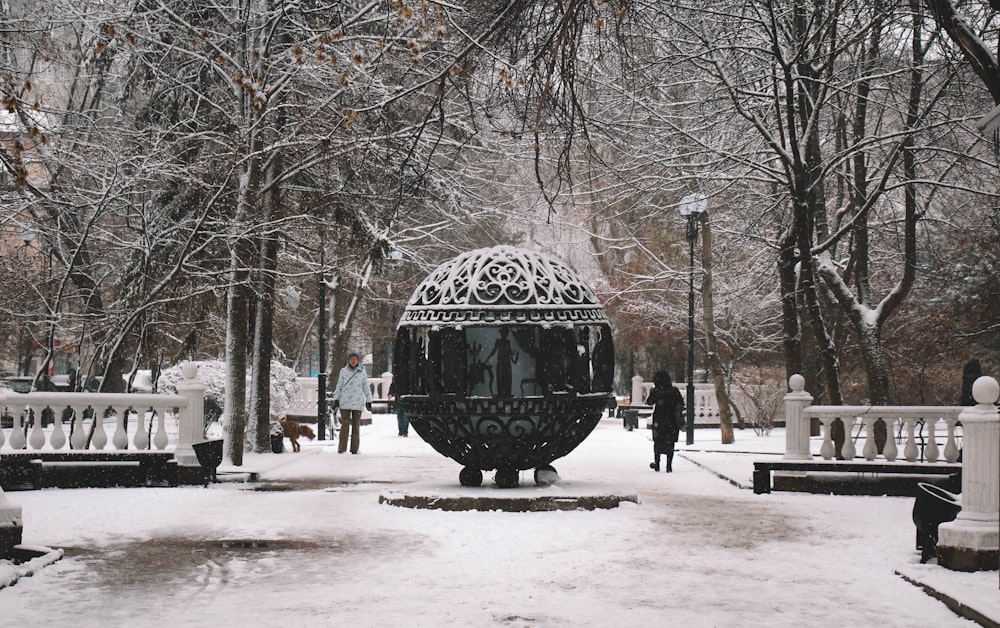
[115,413]
[933,419]
[305,402]
[157,411]
[971,542]
[114,421]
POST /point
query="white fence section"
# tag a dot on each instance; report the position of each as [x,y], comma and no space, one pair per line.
[974,536]
[121,420]
[936,427]
[305,403]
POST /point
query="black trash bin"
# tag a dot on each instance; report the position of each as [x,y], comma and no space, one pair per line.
[277,438]
[209,455]
[932,507]
[277,444]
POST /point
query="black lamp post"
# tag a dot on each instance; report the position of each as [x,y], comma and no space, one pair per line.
[691,207]
[321,371]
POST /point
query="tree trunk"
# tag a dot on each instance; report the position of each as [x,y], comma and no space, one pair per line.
[236,365]
[260,392]
[237,324]
[792,332]
[711,343]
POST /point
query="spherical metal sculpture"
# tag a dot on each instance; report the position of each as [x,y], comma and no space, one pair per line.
[503,360]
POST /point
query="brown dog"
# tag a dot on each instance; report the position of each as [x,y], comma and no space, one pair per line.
[293,429]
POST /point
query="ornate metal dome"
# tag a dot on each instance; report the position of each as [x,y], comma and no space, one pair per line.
[503,360]
[502,284]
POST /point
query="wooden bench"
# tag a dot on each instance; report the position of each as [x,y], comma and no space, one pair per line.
[762,469]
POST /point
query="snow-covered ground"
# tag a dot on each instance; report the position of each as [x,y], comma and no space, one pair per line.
[318,549]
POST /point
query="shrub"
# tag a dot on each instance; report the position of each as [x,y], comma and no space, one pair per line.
[212,373]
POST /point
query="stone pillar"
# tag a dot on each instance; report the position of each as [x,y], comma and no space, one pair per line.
[797,429]
[636,399]
[192,424]
[971,542]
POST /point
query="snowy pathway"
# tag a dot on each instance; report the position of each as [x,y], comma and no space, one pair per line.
[696,551]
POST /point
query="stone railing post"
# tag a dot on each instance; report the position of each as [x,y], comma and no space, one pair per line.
[636,397]
[972,541]
[797,428]
[386,384]
[192,420]
[11,523]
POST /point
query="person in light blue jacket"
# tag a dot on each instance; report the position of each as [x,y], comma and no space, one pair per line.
[352,395]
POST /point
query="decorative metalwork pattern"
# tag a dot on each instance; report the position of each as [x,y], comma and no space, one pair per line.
[502,284]
[507,434]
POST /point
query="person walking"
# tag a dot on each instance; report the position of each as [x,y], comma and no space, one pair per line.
[351,396]
[401,421]
[668,416]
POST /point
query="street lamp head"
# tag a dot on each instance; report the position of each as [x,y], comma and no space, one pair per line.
[693,204]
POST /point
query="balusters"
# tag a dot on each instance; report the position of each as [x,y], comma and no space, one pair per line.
[120,437]
[79,438]
[826,449]
[848,451]
[870,450]
[37,438]
[100,438]
[889,451]
[141,439]
[17,438]
[910,450]
[100,420]
[951,447]
[160,438]
[58,438]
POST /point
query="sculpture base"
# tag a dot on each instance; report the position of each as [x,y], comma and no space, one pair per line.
[965,559]
[965,545]
[534,499]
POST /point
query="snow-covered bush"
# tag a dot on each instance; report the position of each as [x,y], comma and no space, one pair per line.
[284,387]
[763,394]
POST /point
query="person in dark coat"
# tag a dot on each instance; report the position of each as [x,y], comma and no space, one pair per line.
[972,371]
[668,415]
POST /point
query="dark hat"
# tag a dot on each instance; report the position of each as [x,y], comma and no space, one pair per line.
[353,354]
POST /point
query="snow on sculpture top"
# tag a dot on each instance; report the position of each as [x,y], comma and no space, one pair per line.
[502,284]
